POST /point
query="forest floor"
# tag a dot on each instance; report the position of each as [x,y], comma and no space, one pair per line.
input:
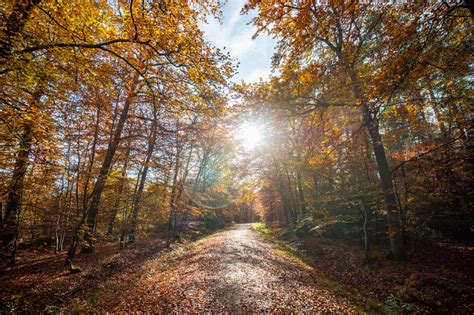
[41,282]
[234,270]
[436,278]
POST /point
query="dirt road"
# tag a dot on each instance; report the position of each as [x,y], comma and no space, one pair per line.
[237,270]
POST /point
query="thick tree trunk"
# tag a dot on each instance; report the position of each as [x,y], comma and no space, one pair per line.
[397,247]
[394,228]
[91,213]
[13,25]
[75,238]
[93,209]
[9,227]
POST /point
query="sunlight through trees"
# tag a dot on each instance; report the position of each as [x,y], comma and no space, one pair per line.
[122,126]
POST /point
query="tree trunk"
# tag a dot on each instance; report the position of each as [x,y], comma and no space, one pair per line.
[93,209]
[174,196]
[85,193]
[372,124]
[9,226]
[363,210]
[13,26]
[117,203]
[183,180]
[14,192]
[137,197]
[394,229]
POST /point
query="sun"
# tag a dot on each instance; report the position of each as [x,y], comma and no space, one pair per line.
[249,135]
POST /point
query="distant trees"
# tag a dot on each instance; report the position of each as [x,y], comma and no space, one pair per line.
[350,73]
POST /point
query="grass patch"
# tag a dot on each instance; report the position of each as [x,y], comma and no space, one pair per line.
[262,228]
[282,251]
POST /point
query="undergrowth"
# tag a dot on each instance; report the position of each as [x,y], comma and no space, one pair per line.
[262,228]
[362,303]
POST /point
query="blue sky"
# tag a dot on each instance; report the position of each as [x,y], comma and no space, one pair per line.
[234,34]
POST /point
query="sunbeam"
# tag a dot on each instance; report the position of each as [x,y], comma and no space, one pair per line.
[250,135]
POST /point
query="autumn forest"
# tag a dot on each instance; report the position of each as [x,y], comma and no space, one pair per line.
[142,169]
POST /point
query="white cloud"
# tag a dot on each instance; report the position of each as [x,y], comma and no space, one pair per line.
[236,36]
[257,74]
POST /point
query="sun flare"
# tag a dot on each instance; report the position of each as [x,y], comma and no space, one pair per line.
[249,135]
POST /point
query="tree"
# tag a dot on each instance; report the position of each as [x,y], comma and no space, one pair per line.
[101,63]
[358,47]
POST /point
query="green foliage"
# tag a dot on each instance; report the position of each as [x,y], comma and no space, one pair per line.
[262,228]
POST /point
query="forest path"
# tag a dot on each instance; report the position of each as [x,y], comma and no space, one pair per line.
[237,270]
